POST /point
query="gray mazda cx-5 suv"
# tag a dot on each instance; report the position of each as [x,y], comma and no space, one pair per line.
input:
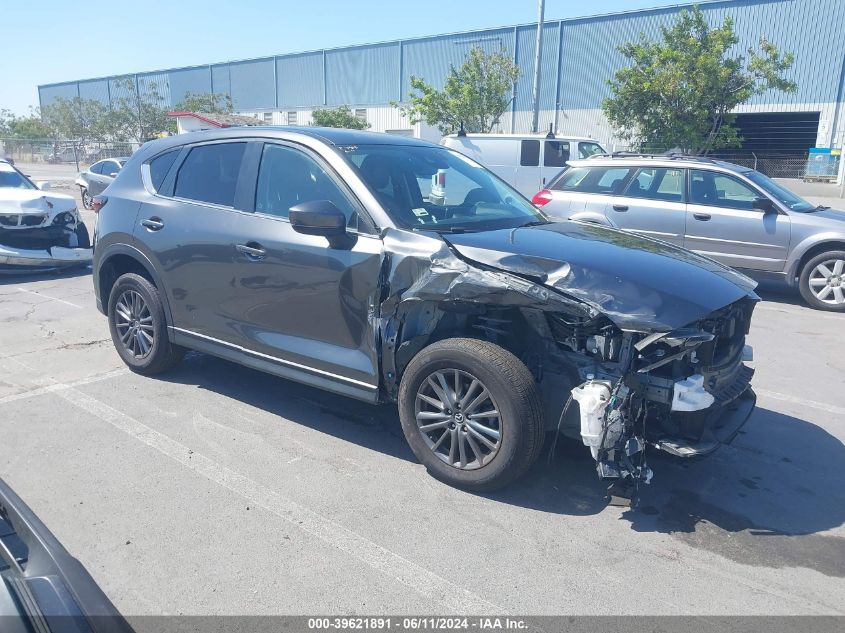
[392,270]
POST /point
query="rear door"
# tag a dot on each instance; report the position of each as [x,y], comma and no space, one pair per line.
[555,155]
[722,223]
[528,179]
[652,204]
[586,192]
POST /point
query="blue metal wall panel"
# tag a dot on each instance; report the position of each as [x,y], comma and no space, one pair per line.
[195,80]
[151,85]
[48,94]
[220,80]
[97,89]
[122,87]
[430,58]
[252,84]
[362,76]
[300,80]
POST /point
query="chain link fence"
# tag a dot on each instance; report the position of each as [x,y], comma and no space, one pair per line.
[78,153]
[777,165]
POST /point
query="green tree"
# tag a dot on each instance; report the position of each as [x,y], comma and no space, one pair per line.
[679,92]
[138,114]
[475,95]
[76,119]
[340,116]
[213,102]
[31,126]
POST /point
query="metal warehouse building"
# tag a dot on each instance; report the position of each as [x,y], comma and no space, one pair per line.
[579,55]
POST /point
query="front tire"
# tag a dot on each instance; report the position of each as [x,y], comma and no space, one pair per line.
[822,281]
[471,413]
[138,326]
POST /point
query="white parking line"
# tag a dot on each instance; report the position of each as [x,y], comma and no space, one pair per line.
[785,397]
[41,294]
[61,386]
[419,579]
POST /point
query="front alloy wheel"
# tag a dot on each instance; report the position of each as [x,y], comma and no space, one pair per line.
[134,323]
[458,418]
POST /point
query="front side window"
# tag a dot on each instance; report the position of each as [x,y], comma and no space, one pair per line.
[715,189]
[529,153]
[288,177]
[12,178]
[555,153]
[607,180]
[210,173]
[782,194]
[657,183]
[585,150]
[431,188]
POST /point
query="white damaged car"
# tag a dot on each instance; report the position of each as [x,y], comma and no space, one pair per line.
[38,230]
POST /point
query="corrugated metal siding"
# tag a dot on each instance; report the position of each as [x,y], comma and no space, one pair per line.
[300,80]
[121,87]
[431,58]
[252,84]
[97,89]
[364,75]
[195,80]
[48,94]
[151,84]
[377,74]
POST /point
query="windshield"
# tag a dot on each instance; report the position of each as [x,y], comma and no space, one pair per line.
[11,177]
[781,194]
[432,188]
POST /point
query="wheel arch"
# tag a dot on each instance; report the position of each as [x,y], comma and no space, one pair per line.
[121,259]
[809,251]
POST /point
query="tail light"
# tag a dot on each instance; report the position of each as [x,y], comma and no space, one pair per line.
[542,197]
[98,202]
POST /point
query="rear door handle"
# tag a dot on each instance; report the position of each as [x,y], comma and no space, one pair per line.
[701,216]
[152,224]
[253,250]
[620,207]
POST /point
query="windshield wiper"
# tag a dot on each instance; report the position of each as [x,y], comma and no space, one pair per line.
[534,223]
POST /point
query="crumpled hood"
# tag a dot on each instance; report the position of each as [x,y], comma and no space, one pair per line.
[14,200]
[640,284]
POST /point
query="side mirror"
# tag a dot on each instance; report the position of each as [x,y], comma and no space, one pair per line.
[763,204]
[43,185]
[318,217]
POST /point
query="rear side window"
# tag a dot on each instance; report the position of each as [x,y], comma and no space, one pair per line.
[210,173]
[110,168]
[529,153]
[160,165]
[96,168]
[609,180]
[657,184]
[556,154]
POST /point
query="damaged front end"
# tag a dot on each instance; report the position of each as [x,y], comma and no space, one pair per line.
[625,357]
[34,237]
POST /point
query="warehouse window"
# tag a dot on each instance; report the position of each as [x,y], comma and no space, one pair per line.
[292,117]
[268,117]
[361,114]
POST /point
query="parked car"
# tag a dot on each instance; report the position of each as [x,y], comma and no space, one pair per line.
[94,180]
[38,230]
[732,214]
[525,161]
[43,587]
[316,255]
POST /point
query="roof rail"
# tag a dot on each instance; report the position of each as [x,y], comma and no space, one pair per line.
[666,156]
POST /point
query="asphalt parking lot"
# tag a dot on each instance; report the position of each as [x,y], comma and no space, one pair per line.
[215,489]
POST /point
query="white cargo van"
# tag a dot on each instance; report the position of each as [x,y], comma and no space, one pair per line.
[525,161]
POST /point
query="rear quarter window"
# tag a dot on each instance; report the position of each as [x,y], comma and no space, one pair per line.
[160,165]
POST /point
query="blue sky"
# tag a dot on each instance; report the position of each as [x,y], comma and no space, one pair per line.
[61,40]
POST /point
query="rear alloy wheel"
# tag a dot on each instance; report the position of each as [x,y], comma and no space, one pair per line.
[471,413]
[86,198]
[138,328]
[822,282]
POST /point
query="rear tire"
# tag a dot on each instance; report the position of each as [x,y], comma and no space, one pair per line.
[138,326]
[439,391]
[86,198]
[822,281]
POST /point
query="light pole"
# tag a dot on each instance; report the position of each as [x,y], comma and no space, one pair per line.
[538,55]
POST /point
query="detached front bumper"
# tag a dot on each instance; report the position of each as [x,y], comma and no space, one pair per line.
[722,425]
[16,260]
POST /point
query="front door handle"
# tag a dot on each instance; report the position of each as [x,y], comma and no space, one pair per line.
[620,207]
[253,250]
[701,216]
[152,224]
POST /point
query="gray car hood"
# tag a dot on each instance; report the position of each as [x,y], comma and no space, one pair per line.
[640,284]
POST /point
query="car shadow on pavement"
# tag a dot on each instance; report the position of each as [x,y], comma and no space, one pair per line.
[10,277]
[764,500]
[374,427]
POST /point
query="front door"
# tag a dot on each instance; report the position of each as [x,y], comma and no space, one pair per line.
[652,204]
[722,223]
[299,297]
